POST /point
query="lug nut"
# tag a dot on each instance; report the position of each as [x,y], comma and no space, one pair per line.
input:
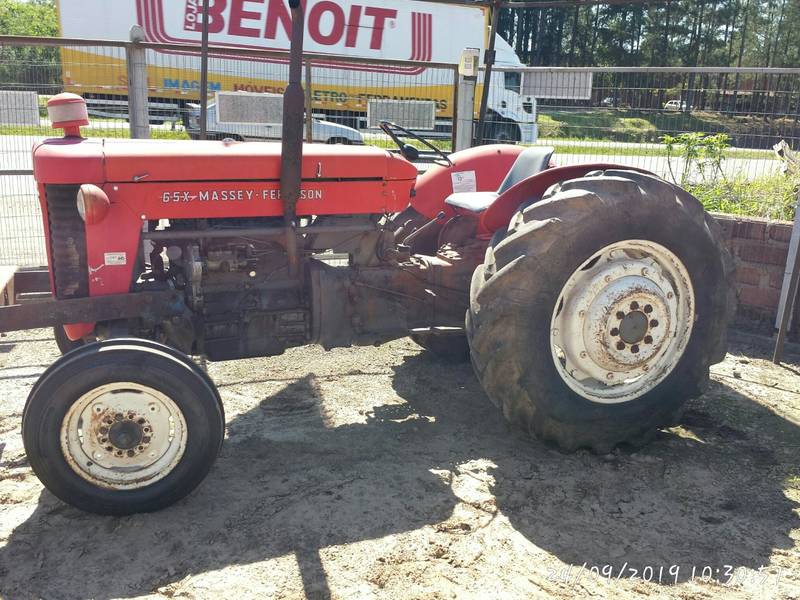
[648,309]
[648,339]
[653,323]
[634,305]
[610,376]
[620,315]
[620,345]
[635,349]
[555,332]
[615,332]
[584,355]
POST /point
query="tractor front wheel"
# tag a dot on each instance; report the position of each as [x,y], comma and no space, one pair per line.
[122,426]
[598,314]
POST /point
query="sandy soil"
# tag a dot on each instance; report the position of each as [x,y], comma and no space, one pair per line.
[384,473]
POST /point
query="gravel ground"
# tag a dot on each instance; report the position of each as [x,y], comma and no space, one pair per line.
[382,472]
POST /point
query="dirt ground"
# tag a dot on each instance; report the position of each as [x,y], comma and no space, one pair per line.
[385,473]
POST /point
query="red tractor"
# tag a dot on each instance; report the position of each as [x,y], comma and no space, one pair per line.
[591,299]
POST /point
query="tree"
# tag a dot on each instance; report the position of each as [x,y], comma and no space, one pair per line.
[29,67]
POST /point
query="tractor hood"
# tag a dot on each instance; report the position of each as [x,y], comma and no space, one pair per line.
[73,160]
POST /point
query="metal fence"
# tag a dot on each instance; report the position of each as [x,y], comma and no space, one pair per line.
[618,115]
[625,115]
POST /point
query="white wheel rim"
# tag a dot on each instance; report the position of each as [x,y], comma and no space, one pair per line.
[123,436]
[622,321]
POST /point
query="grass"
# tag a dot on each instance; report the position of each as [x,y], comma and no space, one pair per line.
[104,132]
[771,197]
[612,150]
[623,125]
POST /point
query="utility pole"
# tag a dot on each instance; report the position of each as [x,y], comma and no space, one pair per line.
[488,60]
[204,72]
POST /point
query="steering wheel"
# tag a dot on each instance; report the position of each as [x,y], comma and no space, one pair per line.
[407,150]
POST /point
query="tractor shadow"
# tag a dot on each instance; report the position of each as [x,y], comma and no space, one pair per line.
[290,484]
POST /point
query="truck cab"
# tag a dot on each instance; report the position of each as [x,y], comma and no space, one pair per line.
[511,115]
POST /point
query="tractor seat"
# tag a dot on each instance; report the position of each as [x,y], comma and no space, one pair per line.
[529,162]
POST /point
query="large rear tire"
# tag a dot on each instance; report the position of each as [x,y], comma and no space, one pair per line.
[597,315]
[122,426]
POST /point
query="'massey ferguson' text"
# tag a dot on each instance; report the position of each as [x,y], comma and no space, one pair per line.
[234,195]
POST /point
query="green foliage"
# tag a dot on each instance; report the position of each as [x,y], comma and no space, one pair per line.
[29,67]
[704,153]
[677,33]
[627,125]
[771,196]
[113,129]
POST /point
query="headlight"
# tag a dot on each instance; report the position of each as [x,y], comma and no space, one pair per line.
[92,203]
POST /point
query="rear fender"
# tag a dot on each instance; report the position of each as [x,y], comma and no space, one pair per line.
[532,189]
[490,164]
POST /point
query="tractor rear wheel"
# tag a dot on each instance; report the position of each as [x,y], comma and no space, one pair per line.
[451,348]
[122,426]
[597,315]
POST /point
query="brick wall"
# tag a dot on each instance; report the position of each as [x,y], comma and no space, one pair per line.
[760,248]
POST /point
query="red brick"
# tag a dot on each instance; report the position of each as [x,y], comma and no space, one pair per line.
[750,295]
[762,254]
[748,275]
[750,230]
[776,277]
[726,224]
[779,232]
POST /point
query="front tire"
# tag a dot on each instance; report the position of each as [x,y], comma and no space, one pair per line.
[63,342]
[599,313]
[122,426]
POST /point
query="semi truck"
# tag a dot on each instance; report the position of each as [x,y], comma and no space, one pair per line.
[414,31]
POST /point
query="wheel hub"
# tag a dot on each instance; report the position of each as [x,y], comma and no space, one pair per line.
[633,327]
[123,435]
[622,321]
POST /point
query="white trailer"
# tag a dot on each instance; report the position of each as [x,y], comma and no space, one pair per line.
[401,30]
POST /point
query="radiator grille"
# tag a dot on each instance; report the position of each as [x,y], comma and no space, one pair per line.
[67,242]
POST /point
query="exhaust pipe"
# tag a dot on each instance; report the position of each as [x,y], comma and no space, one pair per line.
[292,141]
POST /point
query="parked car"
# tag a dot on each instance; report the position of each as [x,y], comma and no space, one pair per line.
[322,131]
[676,105]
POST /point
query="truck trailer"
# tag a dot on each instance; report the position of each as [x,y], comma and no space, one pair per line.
[412,31]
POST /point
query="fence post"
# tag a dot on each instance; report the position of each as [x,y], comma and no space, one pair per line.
[789,289]
[309,114]
[465,112]
[136,59]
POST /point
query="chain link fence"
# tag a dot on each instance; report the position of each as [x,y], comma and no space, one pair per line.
[704,128]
